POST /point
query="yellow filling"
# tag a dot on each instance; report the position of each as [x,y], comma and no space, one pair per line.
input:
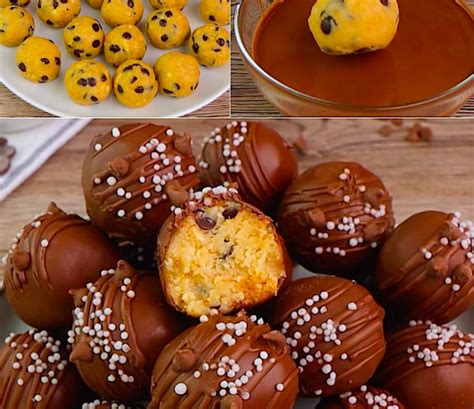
[237,263]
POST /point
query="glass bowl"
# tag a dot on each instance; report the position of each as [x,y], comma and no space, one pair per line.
[291,102]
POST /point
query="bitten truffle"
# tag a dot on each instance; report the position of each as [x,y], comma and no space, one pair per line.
[35,373]
[334,215]
[254,156]
[366,397]
[424,270]
[126,175]
[335,331]
[217,252]
[46,260]
[121,324]
[351,27]
[430,367]
[225,362]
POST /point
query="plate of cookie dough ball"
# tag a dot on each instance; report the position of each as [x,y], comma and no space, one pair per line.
[116,58]
[220,276]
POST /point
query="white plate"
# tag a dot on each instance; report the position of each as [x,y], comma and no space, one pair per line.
[11,323]
[53,98]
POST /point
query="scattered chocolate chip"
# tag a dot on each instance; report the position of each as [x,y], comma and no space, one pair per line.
[177,86]
[145,71]
[82,82]
[326,24]
[6,153]
[95,27]
[131,4]
[43,78]
[126,35]
[134,79]
[96,43]
[205,37]
[139,90]
[154,18]
[164,38]
[167,91]
[205,223]
[77,53]
[114,48]
[221,42]
[163,22]
[120,89]
[49,22]
[55,4]
[91,81]
[93,98]
[168,13]
[103,77]
[196,48]
[76,38]
[230,213]
[57,60]
[384,2]
[22,67]
[212,18]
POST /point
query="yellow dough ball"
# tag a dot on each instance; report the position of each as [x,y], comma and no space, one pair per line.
[118,12]
[135,84]
[167,28]
[95,4]
[177,73]
[167,4]
[38,59]
[16,25]
[88,82]
[353,26]
[58,13]
[124,43]
[83,37]
[210,45]
[19,3]
[215,11]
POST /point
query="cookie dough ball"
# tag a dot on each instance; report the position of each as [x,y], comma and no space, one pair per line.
[88,82]
[95,4]
[56,13]
[84,38]
[353,26]
[118,12]
[16,25]
[38,59]
[215,11]
[19,3]
[166,4]
[167,28]
[177,73]
[135,84]
[210,45]
[124,43]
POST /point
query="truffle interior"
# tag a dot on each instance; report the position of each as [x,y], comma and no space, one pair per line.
[223,257]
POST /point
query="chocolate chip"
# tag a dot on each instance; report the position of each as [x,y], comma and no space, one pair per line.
[49,22]
[55,5]
[154,18]
[96,43]
[196,48]
[114,48]
[164,38]
[43,79]
[82,82]
[205,37]
[45,60]
[39,3]
[205,223]
[139,90]
[76,38]
[145,71]
[57,60]
[384,2]
[167,91]
[91,81]
[77,53]
[131,4]
[64,1]
[70,27]
[168,13]
[134,79]
[103,77]
[120,89]
[212,18]
[177,86]
[326,24]
[127,36]
[230,213]
[163,22]
[93,98]
[22,67]
[95,27]
[221,42]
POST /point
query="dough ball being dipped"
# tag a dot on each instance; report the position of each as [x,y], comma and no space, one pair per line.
[215,11]
[227,363]
[46,260]
[167,28]
[177,73]
[119,12]
[121,325]
[218,252]
[16,25]
[38,59]
[58,14]
[353,26]
[124,43]
[210,44]
[83,38]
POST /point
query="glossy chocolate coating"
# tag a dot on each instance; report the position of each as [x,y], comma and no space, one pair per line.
[126,174]
[366,397]
[121,324]
[430,367]
[254,156]
[335,331]
[47,259]
[424,270]
[225,363]
[333,216]
[35,373]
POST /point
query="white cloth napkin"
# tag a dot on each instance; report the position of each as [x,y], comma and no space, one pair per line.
[35,140]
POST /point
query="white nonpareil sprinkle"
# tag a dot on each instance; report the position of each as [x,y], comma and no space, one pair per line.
[180,389]
[280,387]
[97,146]
[352,306]
[115,132]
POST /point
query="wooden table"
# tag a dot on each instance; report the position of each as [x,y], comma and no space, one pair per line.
[247,101]
[428,175]
[13,106]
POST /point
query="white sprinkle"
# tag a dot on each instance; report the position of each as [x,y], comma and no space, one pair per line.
[115,132]
[111,181]
[97,146]
[180,389]
[44,243]
[352,306]
[280,387]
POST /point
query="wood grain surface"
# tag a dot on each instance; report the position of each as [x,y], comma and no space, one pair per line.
[426,175]
[247,101]
[13,106]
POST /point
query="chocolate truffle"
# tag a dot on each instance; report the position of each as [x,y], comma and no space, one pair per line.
[35,373]
[424,270]
[334,215]
[335,331]
[126,176]
[121,324]
[254,156]
[218,252]
[366,397]
[430,367]
[103,404]
[225,362]
[47,259]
